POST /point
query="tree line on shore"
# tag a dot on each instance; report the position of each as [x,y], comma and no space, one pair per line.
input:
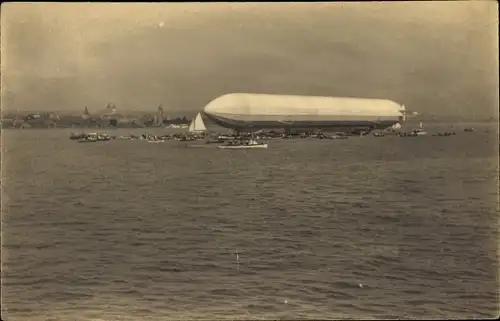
[52,120]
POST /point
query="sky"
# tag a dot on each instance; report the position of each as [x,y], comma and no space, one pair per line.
[433,57]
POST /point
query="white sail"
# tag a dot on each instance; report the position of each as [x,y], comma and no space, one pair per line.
[191,126]
[197,125]
[396,126]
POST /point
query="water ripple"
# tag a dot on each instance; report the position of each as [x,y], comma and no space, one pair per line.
[367,229]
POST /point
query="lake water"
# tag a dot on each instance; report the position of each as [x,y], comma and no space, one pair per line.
[359,228]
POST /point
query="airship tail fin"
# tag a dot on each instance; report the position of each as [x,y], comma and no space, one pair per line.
[407,113]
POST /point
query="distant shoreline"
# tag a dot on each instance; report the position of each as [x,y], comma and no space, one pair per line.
[90,128]
[84,128]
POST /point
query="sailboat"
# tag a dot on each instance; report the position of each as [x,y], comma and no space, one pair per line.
[197,125]
[420,131]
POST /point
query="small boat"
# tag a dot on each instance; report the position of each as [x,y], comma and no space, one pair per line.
[420,132]
[225,137]
[414,133]
[243,145]
[333,137]
[444,134]
[406,134]
[156,141]
[103,137]
[77,136]
[197,126]
[378,134]
[87,140]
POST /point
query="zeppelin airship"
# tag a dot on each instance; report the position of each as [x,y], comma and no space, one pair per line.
[247,112]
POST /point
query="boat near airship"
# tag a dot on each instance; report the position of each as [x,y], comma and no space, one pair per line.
[243,144]
[249,112]
[197,125]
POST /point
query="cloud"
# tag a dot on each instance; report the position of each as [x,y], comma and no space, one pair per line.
[429,56]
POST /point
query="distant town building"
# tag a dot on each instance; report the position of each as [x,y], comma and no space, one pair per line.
[86,114]
[110,117]
[159,119]
[19,123]
[73,121]
[44,122]
[33,116]
[53,116]
[8,122]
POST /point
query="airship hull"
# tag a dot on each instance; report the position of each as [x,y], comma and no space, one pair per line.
[231,122]
[257,111]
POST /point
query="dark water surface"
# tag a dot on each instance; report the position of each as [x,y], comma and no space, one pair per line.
[126,230]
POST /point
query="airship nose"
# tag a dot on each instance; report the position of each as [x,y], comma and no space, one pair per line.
[211,109]
[220,105]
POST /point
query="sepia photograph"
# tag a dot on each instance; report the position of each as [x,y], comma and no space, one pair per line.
[249,161]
